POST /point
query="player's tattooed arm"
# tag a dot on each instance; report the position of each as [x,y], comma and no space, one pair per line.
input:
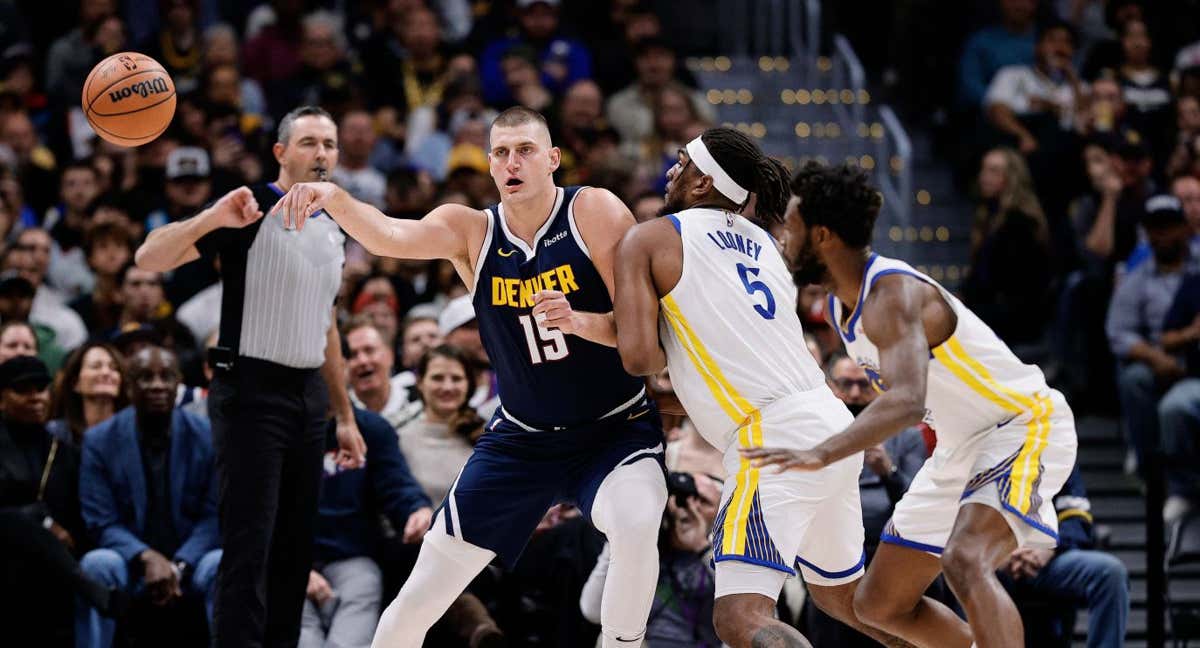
[893,320]
[636,303]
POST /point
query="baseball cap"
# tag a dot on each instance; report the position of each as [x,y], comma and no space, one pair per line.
[523,4]
[456,313]
[132,332]
[13,283]
[1163,210]
[20,371]
[467,156]
[188,162]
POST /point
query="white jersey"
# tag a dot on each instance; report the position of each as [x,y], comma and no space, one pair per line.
[729,327]
[975,382]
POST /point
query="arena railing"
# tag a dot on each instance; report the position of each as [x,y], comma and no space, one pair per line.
[895,179]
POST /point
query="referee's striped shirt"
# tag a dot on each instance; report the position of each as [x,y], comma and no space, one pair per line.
[280,286]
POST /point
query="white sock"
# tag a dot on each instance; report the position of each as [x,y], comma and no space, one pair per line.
[628,509]
[445,566]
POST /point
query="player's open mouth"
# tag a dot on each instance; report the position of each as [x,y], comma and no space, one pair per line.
[514,182]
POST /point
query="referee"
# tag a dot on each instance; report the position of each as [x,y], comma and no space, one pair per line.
[278,368]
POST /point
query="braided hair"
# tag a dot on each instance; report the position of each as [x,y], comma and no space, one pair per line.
[765,177]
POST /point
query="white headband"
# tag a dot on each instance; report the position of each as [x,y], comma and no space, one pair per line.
[707,164]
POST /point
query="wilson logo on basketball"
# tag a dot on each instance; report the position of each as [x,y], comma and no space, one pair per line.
[141,88]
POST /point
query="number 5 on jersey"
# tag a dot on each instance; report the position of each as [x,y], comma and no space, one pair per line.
[755,286]
[545,344]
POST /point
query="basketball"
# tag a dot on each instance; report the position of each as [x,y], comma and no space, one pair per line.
[129,99]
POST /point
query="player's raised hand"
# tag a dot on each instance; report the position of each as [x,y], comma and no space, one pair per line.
[552,310]
[301,201]
[784,459]
[237,209]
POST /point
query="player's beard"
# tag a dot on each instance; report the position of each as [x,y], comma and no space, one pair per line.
[807,267]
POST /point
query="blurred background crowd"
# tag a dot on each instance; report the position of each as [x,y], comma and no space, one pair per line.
[1070,128]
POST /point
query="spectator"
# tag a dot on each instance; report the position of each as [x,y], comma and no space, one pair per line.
[560,60]
[439,441]
[16,300]
[188,186]
[378,299]
[1135,320]
[326,76]
[631,111]
[67,267]
[149,495]
[31,257]
[991,48]
[1105,55]
[1105,221]
[1010,283]
[372,385]
[1036,104]
[579,116]
[675,117]
[177,44]
[354,171]
[35,164]
[525,85]
[1146,89]
[1107,111]
[1177,411]
[648,206]
[71,56]
[1074,573]
[17,338]
[108,248]
[419,334]
[459,328]
[681,616]
[220,57]
[887,471]
[143,302]
[345,586]
[273,54]
[1186,154]
[88,391]
[41,531]
[407,63]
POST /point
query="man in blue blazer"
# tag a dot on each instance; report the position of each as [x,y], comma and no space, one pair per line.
[148,492]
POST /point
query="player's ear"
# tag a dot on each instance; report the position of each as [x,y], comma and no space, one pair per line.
[555,158]
[703,184]
[277,149]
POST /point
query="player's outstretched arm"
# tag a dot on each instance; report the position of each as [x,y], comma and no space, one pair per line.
[602,219]
[442,234]
[636,303]
[892,319]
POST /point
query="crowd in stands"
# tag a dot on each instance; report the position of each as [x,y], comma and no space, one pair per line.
[1085,254]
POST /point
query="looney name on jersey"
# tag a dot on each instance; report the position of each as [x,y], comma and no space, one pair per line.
[519,293]
[736,242]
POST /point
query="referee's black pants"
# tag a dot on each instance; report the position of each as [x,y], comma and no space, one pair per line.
[269,425]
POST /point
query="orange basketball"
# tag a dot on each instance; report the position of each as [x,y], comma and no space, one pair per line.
[129,99]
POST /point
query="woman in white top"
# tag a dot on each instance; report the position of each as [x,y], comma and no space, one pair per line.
[438,442]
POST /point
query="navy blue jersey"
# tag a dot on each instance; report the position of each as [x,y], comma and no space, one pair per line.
[546,379]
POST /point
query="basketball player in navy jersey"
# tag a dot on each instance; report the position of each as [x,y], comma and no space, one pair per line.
[572,424]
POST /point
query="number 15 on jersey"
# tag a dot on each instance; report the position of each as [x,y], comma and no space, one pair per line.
[545,344]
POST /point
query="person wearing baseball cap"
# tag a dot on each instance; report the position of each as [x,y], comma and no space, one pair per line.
[188,188]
